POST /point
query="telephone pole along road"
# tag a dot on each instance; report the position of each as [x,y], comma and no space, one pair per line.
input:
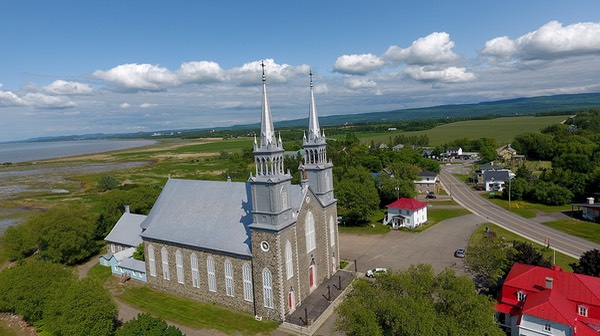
[471,200]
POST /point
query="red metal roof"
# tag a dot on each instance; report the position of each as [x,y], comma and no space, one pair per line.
[560,303]
[407,204]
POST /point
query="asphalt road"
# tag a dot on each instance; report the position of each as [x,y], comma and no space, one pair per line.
[471,200]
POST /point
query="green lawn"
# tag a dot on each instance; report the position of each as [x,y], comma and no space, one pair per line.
[195,315]
[527,209]
[586,230]
[562,260]
[100,273]
[435,216]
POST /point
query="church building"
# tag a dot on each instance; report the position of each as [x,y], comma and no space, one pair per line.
[260,246]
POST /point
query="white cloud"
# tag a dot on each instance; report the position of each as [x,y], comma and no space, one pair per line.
[249,73]
[358,64]
[34,99]
[147,105]
[551,41]
[41,100]
[8,98]
[354,83]
[199,72]
[434,48]
[139,77]
[124,105]
[447,75]
[500,47]
[61,87]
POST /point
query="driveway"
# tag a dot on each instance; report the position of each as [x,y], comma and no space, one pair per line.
[397,250]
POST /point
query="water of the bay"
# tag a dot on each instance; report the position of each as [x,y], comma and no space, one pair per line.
[31,151]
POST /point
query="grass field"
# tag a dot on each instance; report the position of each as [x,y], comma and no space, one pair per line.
[526,209]
[195,315]
[502,129]
[562,260]
[586,230]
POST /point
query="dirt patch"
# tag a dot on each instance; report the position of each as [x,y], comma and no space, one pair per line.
[183,155]
[17,325]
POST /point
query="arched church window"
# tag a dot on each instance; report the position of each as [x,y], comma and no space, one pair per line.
[247,276]
[210,270]
[151,260]
[164,255]
[195,272]
[267,288]
[331,230]
[179,264]
[229,278]
[289,264]
[311,243]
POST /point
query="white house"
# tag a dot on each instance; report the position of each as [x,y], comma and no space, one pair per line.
[406,212]
[427,181]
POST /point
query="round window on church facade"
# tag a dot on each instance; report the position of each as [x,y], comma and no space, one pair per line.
[264,246]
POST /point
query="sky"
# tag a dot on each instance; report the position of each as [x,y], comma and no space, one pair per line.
[115,66]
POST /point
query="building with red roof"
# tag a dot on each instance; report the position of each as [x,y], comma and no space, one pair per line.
[549,301]
[406,212]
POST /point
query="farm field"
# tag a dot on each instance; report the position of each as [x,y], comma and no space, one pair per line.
[501,129]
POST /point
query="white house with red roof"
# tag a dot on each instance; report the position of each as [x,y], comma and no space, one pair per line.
[549,301]
[406,212]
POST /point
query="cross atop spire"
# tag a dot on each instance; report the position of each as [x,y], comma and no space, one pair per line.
[267,132]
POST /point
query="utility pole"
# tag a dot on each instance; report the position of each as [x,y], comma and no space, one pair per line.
[509,183]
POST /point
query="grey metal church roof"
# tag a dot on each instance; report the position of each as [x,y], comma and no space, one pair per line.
[127,230]
[212,215]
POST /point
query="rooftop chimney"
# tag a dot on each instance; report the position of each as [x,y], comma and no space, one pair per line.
[549,282]
[127,209]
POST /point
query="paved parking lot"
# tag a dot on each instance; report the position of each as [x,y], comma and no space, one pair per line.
[397,250]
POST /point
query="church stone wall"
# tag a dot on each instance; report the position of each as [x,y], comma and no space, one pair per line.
[323,251]
[272,259]
[202,293]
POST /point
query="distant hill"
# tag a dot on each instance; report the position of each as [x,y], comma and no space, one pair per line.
[567,103]
[510,107]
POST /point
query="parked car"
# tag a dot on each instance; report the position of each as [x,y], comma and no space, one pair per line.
[430,195]
[375,272]
[479,188]
[459,253]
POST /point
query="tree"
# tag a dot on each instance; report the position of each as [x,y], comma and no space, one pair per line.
[446,304]
[108,182]
[25,289]
[147,325]
[66,234]
[139,252]
[589,263]
[19,241]
[526,253]
[83,308]
[488,259]
[357,196]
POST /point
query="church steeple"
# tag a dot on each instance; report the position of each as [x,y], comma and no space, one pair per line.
[271,207]
[267,132]
[316,170]
[314,131]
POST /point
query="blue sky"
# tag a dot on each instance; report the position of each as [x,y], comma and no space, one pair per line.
[75,67]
